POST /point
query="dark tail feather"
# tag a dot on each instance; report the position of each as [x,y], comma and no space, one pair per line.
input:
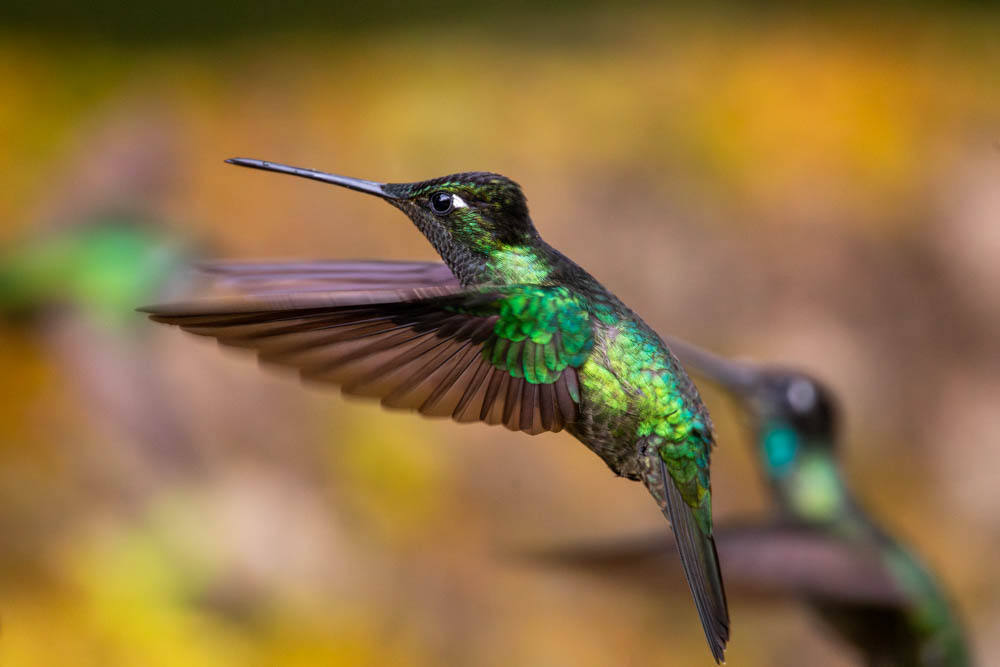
[701,567]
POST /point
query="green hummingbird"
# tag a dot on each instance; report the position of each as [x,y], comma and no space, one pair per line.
[74,287]
[100,268]
[510,332]
[822,546]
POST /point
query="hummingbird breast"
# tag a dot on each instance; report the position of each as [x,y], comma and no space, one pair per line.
[631,386]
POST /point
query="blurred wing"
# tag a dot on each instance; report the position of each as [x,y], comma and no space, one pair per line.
[773,558]
[503,355]
[626,555]
[696,548]
[326,276]
[808,562]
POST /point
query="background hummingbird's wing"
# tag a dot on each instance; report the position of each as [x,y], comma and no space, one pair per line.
[695,546]
[773,558]
[810,562]
[503,355]
[320,276]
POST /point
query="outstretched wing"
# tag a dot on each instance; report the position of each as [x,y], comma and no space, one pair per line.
[774,558]
[503,355]
[695,544]
[326,276]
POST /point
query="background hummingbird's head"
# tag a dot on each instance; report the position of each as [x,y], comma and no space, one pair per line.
[794,421]
[791,413]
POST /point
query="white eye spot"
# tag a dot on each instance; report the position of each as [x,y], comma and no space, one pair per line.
[458,202]
[801,395]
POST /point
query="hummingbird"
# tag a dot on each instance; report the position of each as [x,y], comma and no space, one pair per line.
[822,546]
[508,331]
[74,288]
[99,268]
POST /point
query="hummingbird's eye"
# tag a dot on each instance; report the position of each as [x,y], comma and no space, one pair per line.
[802,396]
[442,203]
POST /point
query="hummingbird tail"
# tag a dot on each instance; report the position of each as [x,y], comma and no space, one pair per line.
[701,567]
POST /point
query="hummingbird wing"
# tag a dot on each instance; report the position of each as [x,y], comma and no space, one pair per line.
[695,544]
[766,557]
[810,561]
[325,275]
[499,354]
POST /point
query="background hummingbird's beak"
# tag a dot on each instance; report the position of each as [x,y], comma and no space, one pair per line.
[371,187]
[732,375]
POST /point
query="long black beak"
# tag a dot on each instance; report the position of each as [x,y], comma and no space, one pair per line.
[371,187]
[732,375]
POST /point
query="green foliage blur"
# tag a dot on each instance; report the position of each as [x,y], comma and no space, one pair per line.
[817,188]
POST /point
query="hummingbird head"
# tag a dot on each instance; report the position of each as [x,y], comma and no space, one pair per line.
[794,421]
[792,414]
[466,216]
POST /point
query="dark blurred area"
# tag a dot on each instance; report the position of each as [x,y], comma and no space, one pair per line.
[190,22]
[818,188]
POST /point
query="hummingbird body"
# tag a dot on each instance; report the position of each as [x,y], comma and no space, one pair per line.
[921,630]
[633,392]
[631,388]
[517,335]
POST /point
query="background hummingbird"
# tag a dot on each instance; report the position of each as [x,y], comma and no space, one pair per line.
[512,332]
[98,269]
[822,546]
[75,288]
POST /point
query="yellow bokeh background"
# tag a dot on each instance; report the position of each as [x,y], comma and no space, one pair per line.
[813,188]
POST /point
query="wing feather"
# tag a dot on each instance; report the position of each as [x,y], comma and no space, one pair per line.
[277,277]
[431,347]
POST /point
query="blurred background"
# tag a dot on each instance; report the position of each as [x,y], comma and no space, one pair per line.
[820,189]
